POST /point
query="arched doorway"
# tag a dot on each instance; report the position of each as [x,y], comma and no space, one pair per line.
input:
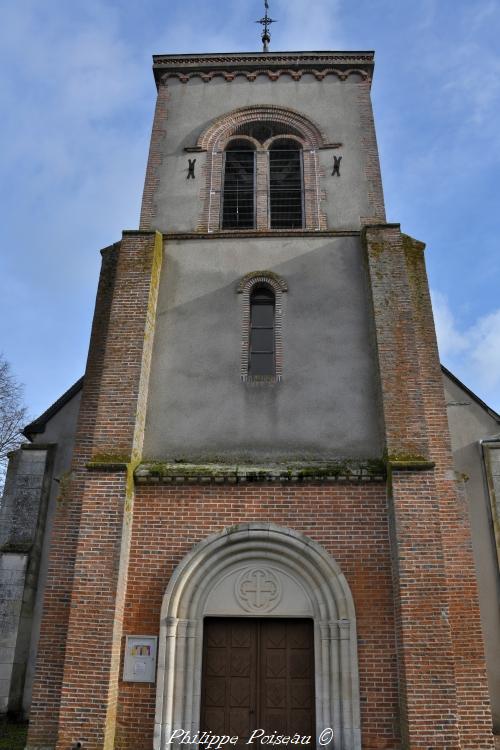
[258,571]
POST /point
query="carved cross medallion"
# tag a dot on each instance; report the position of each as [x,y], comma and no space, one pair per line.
[258,590]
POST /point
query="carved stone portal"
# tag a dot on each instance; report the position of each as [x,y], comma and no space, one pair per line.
[258,570]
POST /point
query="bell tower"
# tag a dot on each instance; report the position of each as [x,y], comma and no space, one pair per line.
[263,169]
[262,483]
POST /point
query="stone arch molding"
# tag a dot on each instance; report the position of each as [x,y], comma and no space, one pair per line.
[298,579]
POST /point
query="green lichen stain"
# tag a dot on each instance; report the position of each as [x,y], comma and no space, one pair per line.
[130,489]
[149,328]
[414,251]
[409,460]
[413,247]
[64,488]
[108,458]
[376,249]
[299,471]
[12,734]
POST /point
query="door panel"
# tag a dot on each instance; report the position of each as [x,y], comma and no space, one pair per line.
[287,677]
[229,677]
[258,674]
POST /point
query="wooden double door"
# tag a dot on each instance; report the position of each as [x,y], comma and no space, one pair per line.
[258,674]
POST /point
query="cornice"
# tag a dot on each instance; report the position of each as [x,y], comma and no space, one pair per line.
[228,234]
[336,472]
[274,64]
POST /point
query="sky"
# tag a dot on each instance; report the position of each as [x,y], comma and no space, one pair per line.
[77,97]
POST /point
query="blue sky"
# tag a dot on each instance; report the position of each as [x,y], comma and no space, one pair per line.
[77,98]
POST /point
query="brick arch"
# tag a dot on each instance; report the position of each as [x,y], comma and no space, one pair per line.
[245,286]
[272,75]
[217,132]
[243,137]
[214,139]
[286,136]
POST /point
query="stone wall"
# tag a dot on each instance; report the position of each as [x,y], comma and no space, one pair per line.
[22,527]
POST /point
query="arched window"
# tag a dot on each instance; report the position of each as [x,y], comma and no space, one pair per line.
[281,145]
[238,204]
[285,185]
[262,360]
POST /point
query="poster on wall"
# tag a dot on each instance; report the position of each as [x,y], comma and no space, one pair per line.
[139,664]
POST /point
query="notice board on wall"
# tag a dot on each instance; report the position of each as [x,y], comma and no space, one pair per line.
[139,664]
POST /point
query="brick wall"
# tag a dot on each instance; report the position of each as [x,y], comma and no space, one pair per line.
[350,521]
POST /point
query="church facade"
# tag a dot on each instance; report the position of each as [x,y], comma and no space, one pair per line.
[253,521]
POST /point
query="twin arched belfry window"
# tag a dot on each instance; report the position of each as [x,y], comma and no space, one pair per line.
[247,173]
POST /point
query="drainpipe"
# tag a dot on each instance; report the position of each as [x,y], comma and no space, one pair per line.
[494,502]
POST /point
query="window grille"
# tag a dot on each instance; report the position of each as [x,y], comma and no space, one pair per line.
[262,340]
[285,185]
[238,208]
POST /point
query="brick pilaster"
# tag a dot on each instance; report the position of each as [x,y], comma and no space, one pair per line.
[92,658]
[425,653]
[76,684]
[155,158]
[440,660]
[44,713]
[475,724]
[121,410]
[405,427]
[370,151]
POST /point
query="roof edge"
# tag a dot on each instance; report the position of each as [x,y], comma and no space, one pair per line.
[470,393]
[38,425]
[266,55]
[255,62]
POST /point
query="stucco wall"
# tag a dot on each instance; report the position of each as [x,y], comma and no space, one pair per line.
[326,404]
[469,423]
[332,104]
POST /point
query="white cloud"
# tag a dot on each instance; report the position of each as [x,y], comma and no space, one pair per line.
[465,69]
[307,26]
[485,353]
[75,125]
[471,352]
[450,340]
[427,12]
